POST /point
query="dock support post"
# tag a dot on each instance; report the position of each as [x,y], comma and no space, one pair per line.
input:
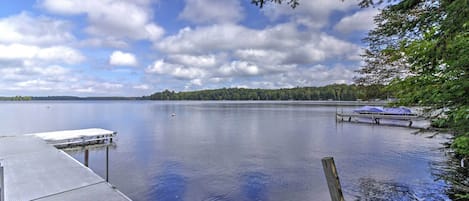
[86,157]
[107,163]
[2,184]
[332,178]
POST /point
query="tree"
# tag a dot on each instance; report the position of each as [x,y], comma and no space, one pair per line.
[420,48]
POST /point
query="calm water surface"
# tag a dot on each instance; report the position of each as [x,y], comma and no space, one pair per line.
[240,150]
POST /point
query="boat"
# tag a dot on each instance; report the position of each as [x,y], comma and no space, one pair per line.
[380,115]
[403,111]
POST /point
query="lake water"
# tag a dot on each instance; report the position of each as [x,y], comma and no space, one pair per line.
[240,150]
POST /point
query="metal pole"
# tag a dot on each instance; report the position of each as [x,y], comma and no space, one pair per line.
[2,185]
[107,163]
[332,178]
[86,157]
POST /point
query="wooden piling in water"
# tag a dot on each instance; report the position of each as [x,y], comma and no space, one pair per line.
[107,163]
[2,185]
[86,157]
[332,178]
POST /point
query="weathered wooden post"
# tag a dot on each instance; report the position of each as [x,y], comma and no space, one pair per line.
[332,178]
[86,157]
[2,184]
[107,163]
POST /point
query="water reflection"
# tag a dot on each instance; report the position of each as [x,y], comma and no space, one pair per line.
[254,186]
[450,171]
[237,150]
[170,185]
[370,189]
[373,190]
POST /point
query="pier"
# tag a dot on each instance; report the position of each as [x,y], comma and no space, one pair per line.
[33,168]
[377,117]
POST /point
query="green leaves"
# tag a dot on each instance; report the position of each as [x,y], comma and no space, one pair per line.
[461,145]
[423,48]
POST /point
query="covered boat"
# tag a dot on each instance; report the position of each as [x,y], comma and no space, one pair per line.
[382,110]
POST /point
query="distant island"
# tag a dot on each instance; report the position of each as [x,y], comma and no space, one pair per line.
[341,92]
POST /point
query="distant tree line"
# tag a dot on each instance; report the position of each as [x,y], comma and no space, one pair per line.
[330,92]
[71,98]
[16,98]
[84,98]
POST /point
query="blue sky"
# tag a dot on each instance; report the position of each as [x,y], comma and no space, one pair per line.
[137,47]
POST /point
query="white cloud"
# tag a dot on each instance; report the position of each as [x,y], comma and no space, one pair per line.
[239,68]
[35,78]
[187,73]
[281,44]
[29,52]
[220,37]
[110,85]
[318,75]
[31,78]
[161,67]
[50,73]
[212,11]
[204,61]
[197,82]
[141,87]
[93,87]
[119,58]
[104,42]
[116,18]
[216,51]
[261,55]
[34,30]
[175,70]
[227,52]
[311,13]
[359,21]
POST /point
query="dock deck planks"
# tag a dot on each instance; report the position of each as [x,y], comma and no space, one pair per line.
[35,170]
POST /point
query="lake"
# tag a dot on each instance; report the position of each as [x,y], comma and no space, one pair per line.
[232,150]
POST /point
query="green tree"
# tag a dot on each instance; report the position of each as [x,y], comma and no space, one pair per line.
[420,49]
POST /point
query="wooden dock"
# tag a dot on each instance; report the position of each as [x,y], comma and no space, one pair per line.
[31,168]
[377,117]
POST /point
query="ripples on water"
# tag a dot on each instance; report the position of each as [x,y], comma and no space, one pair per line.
[241,150]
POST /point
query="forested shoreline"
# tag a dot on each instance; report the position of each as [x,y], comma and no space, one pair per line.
[330,92]
[64,98]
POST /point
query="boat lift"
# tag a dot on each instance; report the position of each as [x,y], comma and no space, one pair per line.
[377,117]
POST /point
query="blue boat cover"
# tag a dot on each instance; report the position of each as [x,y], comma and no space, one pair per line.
[369,109]
[392,110]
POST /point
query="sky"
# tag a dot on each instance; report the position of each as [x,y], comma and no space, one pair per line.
[138,47]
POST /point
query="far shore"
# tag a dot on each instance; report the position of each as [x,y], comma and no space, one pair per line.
[305,102]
